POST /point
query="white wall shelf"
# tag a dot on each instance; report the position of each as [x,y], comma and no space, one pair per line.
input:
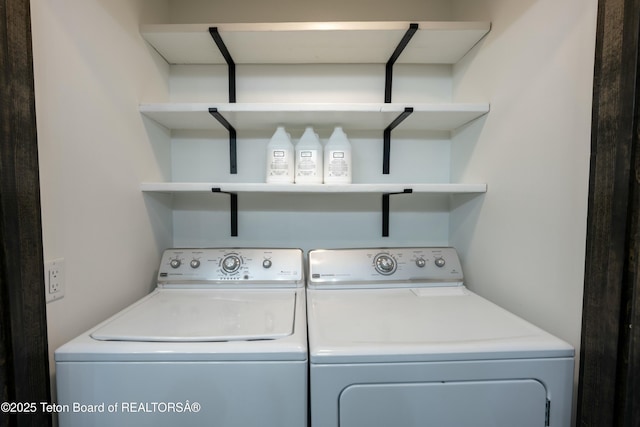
[206,187]
[384,190]
[352,116]
[323,42]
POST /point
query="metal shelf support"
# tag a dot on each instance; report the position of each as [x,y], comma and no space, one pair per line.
[233,209]
[233,156]
[388,81]
[388,89]
[230,63]
[233,160]
[385,210]
[386,148]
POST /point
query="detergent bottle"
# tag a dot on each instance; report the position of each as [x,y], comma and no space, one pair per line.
[337,158]
[280,158]
[309,159]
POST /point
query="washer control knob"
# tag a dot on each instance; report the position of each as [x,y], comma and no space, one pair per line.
[420,262]
[195,263]
[440,262]
[385,264]
[267,263]
[231,263]
[175,263]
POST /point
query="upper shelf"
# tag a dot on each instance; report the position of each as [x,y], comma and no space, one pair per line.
[312,43]
[257,116]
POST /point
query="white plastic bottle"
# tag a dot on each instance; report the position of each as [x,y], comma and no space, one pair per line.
[337,158]
[280,158]
[309,158]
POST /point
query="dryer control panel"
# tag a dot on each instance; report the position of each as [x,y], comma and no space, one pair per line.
[250,266]
[379,267]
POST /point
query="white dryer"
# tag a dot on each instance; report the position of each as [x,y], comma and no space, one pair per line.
[221,341]
[396,339]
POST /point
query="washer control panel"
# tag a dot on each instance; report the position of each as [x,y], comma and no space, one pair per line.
[382,266]
[231,265]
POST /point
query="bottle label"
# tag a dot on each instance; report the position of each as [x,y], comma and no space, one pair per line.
[278,163]
[307,163]
[339,164]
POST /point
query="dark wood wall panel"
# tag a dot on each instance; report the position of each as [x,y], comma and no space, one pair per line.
[628,389]
[24,368]
[608,359]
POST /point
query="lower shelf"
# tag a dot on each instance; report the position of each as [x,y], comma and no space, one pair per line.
[386,190]
[198,187]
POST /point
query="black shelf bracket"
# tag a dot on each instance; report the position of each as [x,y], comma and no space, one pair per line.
[388,81]
[233,159]
[230,63]
[385,210]
[386,148]
[233,209]
[233,156]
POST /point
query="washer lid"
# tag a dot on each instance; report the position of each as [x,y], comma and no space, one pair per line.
[204,316]
[424,324]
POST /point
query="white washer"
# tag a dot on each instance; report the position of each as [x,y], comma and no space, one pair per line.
[221,341]
[396,339]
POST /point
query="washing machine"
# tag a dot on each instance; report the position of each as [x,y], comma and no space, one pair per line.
[397,339]
[221,341]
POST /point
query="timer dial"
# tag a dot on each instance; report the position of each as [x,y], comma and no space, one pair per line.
[231,263]
[385,264]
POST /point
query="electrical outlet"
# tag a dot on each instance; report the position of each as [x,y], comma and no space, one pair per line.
[54,279]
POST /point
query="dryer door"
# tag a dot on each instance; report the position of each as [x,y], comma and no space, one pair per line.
[521,403]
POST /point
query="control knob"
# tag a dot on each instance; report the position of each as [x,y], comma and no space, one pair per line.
[195,263]
[385,264]
[231,263]
[267,263]
[440,262]
[175,263]
[420,262]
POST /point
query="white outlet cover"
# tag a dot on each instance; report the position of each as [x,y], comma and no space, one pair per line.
[54,286]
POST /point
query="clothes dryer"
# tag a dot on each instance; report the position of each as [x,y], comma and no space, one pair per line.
[221,341]
[396,339]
